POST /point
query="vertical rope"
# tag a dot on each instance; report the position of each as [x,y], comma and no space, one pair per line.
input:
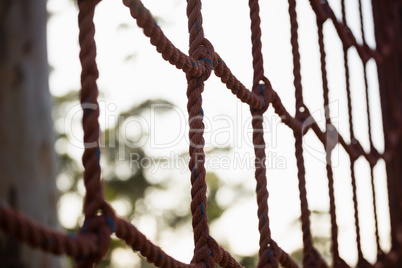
[88,97]
[94,199]
[195,28]
[329,146]
[355,206]
[347,75]
[267,251]
[352,137]
[311,257]
[268,255]
[258,63]
[296,57]
[372,149]
[202,50]
[305,212]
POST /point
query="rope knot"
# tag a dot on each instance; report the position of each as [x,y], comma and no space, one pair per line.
[269,257]
[314,259]
[216,251]
[204,257]
[205,55]
[304,119]
[263,88]
[321,9]
[101,226]
[208,254]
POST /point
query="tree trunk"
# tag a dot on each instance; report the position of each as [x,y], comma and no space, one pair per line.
[27,160]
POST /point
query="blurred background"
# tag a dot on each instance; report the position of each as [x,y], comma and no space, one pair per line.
[145,133]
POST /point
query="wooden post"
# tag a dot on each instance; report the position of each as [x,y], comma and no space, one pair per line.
[388,32]
[27,161]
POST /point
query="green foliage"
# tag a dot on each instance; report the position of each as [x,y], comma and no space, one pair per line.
[132,185]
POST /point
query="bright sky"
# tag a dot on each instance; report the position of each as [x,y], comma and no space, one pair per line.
[126,80]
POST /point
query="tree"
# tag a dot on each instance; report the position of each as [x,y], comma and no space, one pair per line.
[27,163]
[133,186]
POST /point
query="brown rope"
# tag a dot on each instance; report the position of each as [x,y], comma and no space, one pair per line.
[296,59]
[89,94]
[310,257]
[372,148]
[261,86]
[267,251]
[329,146]
[201,50]
[258,62]
[46,239]
[351,134]
[92,242]
[94,199]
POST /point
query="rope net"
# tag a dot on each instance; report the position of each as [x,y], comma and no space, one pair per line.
[92,242]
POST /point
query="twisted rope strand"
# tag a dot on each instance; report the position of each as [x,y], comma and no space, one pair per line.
[237,88]
[305,212]
[92,242]
[329,145]
[351,133]
[309,253]
[202,50]
[258,62]
[262,193]
[261,86]
[158,39]
[296,57]
[138,242]
[88,96]
[372,149]
[35,235]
